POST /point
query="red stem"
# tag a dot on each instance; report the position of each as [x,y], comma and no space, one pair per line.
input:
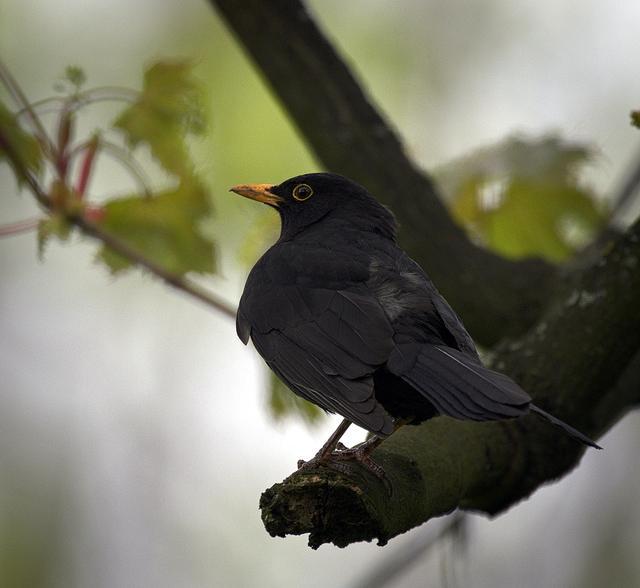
[65,130]
[87,166]
[19,227]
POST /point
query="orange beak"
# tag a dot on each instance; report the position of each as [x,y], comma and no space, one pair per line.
[259,192]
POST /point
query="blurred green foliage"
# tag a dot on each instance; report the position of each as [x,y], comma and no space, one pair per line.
[164,228]
[75,76]
[168,108]
[24,145]
[284,403]
[522,197]
[54,225]
[29,517]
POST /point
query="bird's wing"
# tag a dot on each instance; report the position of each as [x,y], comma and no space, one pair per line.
[435,354]
[456,384]
[323,343]
[445,320]
[413,304]
[454,326]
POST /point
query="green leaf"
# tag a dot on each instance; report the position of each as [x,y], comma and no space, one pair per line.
[284,403]
[25,146]
[168,108]
[54,226]
[75,76]
[163,228]
[523,198]
[635,118]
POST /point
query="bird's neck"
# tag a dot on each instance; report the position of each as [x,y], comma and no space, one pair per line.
[292,227]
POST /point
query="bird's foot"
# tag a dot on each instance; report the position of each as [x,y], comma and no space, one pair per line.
[360,454]
[339,460]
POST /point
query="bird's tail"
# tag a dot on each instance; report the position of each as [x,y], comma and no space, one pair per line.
[459,386]
[567,428]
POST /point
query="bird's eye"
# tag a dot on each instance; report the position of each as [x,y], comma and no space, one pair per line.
[302,192]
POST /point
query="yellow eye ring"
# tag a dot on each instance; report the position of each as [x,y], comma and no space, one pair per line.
[302,192]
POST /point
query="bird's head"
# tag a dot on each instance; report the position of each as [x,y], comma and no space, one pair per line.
[306,199]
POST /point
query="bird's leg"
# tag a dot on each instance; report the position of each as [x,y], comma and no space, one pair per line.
[328,448]
[362,453]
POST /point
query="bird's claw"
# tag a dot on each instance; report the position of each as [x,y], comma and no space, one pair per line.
[339,458]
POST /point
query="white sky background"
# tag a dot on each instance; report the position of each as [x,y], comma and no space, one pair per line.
[149,411]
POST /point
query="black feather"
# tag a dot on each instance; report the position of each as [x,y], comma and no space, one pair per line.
[457,385]
[565,427]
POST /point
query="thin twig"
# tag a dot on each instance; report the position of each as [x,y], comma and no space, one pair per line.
[184,284]
[21,100]
[399,562]
[78,101]
[118,246]
[108,93]
[86,166]
[122,157]
[36,106]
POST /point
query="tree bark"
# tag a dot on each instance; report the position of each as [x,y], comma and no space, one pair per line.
[495,296]
[446,464]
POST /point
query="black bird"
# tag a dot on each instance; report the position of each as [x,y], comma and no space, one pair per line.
[351,323]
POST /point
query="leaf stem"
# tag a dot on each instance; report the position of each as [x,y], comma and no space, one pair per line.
[121,156]
[81,99]
[65,132]
[35,106]
[109,93]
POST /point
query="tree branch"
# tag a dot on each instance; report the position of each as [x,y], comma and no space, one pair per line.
[495,296]
[396,564]
[180,283]
[95,231]
[447,464]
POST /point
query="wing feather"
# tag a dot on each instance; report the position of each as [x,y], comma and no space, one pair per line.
[324,344]
[456,384]
[305,375]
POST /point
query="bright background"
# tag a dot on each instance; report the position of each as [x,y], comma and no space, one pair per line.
[134,438]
